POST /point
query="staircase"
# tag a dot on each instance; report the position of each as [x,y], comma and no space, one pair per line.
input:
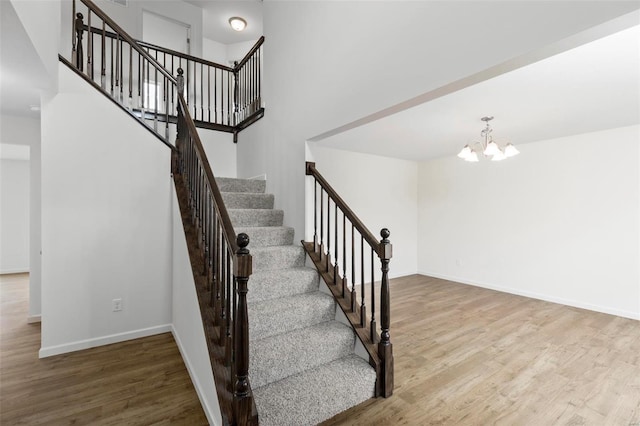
[303,368]
[281,352]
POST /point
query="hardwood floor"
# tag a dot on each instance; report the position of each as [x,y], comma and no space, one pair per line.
[139,382]
[471,356]
[463,356]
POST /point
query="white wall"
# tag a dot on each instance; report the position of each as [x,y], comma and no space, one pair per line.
[187,326]
[383,192]
[214,51]
[559,222]
[14,216]
[320,73]
[106,222]
[237,51]
[25,131]
[41,20]
[225,54]
[221,152]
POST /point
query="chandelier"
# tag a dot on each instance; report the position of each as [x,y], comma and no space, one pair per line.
[487,147]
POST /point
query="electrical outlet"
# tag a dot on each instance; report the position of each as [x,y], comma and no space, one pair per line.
[117,305]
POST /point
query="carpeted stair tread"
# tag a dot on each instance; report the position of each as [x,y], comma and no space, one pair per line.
[302,365]
[256,217]
[315,395]
[276,283]
[278,316]
[276,257]
[306,348]
[241,185]
[266,236]
[242,200]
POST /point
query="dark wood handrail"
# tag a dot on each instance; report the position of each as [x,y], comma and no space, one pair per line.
[227,227]
[251,52]
[227,308]
[141,43]
[353,218]
[327,260]
[126,37]
[185,56]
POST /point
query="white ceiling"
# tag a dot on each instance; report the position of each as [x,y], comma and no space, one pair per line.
[592,87]
[216,14]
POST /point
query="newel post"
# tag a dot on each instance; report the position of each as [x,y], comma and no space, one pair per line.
[236,95]
[78,25]
[241,392]
[180,81]
[179,120]
[180,88]
[385,348]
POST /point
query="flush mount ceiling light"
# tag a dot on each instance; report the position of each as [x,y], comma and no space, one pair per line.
[237,23]
[487,147]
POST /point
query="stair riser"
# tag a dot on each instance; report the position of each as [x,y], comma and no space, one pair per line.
[241,185]
[316,395]
[256,217]
[238,200]
[267,236]
[307,349]
[272,258]
[275,284]
[264,324]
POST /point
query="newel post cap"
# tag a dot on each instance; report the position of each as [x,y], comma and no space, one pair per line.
[243,262]
[387,248]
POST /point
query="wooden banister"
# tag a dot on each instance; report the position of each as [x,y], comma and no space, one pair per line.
[141,76]
[160,49]
[325,257]
[224,253]
[124,36]
[221,210]
[353,218]
[251,52]
[225,264]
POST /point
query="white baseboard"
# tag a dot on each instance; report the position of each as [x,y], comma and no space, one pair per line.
[259,177]
[539,296]
[194,378]
[100,341]
[14,271]
[32,319]
[397,274]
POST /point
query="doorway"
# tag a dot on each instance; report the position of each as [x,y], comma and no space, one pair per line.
[166,32]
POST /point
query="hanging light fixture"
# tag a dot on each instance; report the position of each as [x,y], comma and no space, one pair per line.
[487,147]
[237,23]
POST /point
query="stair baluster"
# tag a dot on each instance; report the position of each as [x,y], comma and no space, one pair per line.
[377,345]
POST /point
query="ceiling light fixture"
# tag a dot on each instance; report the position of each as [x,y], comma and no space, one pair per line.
[487,147]
[237,23]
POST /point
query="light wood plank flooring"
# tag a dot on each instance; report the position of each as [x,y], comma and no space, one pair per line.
[463,356]
[471,356]
[139,382]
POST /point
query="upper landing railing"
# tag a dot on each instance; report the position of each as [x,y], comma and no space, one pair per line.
[140,77]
